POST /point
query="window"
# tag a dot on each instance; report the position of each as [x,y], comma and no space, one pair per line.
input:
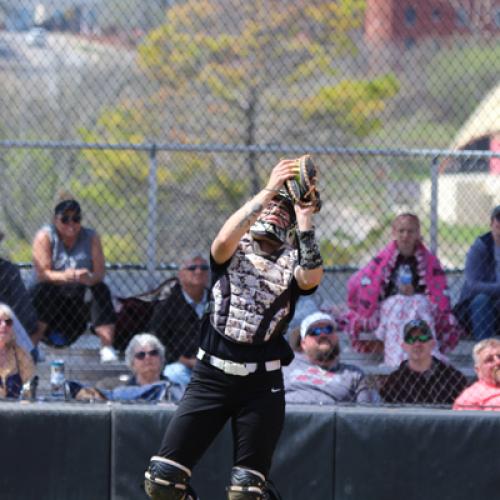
[497,18]
[462,17]
[410,16]
[436,15]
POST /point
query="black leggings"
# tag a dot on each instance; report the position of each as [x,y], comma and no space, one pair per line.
[255,404]
[64,307]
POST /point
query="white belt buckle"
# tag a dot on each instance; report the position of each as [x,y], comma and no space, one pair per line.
[232,368]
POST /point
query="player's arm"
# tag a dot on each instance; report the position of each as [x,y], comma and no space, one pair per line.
[310,269]
[226,241]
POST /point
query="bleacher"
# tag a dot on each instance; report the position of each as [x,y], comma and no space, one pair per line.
[81,362]
[82,358]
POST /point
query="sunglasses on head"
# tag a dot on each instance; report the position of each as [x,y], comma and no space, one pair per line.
[318,330]
[423,337]
[142,354]
[193,267]
[8,321]
[65,219]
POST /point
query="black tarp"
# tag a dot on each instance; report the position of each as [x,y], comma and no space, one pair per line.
[100,452]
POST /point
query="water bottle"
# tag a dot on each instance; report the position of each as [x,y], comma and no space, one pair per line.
[405,275]
[57,379]
[28,391]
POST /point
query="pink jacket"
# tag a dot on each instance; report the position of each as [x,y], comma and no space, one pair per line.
[365,287]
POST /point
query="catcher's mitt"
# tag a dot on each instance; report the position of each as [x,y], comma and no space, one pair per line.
[302,188]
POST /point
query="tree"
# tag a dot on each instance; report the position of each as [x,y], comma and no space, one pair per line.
[268,71]
[231,75]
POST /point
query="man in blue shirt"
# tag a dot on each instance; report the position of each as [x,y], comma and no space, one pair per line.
[479,304]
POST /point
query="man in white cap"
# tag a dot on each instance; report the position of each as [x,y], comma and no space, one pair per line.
[316,375]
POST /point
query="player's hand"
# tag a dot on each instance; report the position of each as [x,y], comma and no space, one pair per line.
[285,169]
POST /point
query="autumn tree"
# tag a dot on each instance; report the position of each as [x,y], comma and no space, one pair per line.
[264,72]
[244,73]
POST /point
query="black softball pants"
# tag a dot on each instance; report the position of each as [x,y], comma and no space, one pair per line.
[255,404]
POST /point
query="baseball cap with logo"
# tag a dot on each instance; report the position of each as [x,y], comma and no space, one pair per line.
[316,317]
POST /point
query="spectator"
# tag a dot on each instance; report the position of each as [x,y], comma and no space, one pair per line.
[316,376]
[479,304]
[485,393]
[422,379]
[176,318]
[16,365]
[14,294]
[372,285]
[70,268]
[395,312]
[145,356]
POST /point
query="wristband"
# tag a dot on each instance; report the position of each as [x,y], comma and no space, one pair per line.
[309,255]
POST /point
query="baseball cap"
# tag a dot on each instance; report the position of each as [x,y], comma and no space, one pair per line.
[315,318]
[67,206]
[416,324]
[495,214]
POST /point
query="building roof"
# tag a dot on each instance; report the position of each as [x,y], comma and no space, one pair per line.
[483,122]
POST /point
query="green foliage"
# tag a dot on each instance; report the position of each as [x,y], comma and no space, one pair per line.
[122,248]
[419,128]
[461,75]
[225,76]
[341,250]
[354,104]
[17,250]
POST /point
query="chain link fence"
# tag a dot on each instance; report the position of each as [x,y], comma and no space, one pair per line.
[161,118]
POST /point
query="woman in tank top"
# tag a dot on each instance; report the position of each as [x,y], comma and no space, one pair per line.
[69,272]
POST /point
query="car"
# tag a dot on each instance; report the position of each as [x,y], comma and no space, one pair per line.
[36,37]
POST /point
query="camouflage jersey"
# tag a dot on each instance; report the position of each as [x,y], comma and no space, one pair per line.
[251,300]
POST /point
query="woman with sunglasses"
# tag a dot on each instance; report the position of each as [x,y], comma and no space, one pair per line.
[69,269]
[145,356]
[16,365]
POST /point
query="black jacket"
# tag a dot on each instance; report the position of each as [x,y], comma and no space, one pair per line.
[440,385]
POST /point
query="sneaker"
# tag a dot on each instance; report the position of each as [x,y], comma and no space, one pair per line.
[108,354]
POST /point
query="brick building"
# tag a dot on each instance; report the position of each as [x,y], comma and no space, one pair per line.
[405,22]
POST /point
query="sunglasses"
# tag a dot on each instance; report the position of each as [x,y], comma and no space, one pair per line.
[423,337]
[142,354]
[8,321]
[316,332]
[65,219]
[193,267]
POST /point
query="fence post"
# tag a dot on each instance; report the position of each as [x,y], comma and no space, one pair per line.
[434,205]
[152,213]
